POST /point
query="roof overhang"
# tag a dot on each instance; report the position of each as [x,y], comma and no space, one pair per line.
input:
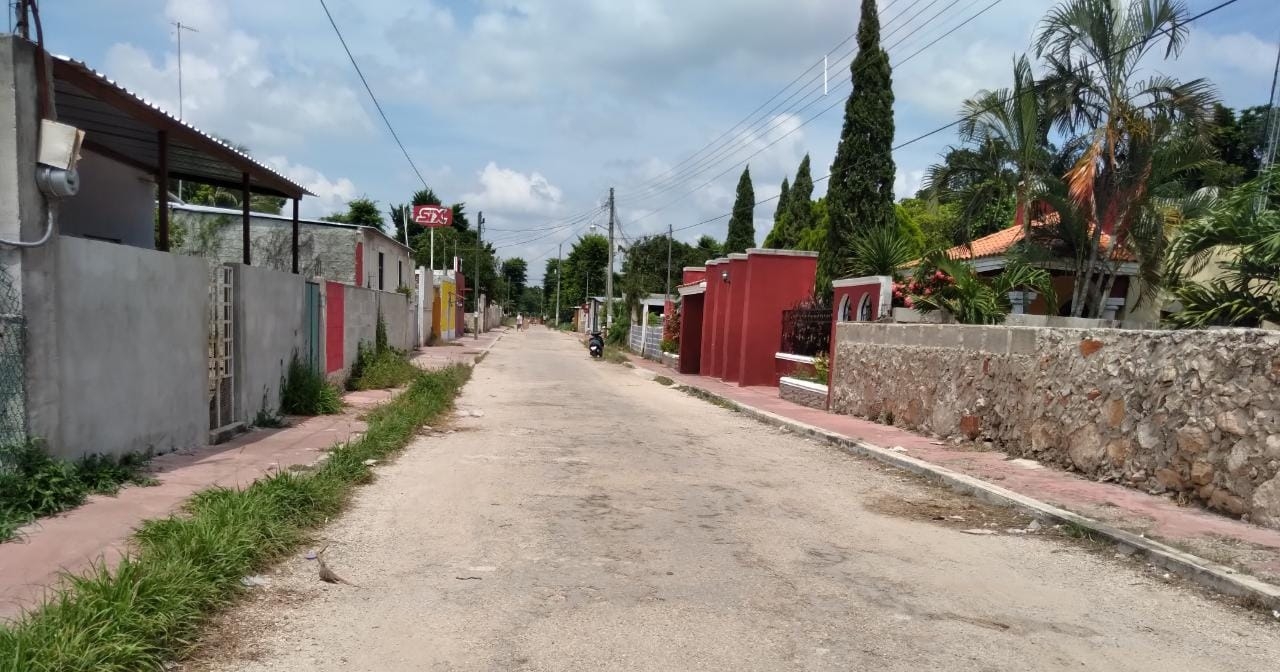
[124,127]
[692,288]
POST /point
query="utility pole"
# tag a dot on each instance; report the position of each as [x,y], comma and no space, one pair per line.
[479,243]
[559,251]
[1273,134]
[669,232]
[608,276]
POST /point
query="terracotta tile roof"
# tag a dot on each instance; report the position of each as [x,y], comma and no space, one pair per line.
[998,243]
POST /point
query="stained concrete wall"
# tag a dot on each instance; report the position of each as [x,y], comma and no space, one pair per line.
[324,249]
[271,327]
[131,342]
[1191,413]
[360,322]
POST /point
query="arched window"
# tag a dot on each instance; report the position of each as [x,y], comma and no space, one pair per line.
[845,314]
[864,308]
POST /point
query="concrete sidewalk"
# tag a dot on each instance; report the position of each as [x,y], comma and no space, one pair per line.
[1238,545]
[100,529]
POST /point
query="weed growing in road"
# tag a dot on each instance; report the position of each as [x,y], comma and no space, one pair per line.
[1078,531]
[148,609]
[710,398]
[33,484]
[663,380]
[614,355]
[306,392]
[382,370]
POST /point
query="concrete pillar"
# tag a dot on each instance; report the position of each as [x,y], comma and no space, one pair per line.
[31,273]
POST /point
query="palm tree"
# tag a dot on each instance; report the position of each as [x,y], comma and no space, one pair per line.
[1012,120]
[1118,123]
[881,250]
[1245,241]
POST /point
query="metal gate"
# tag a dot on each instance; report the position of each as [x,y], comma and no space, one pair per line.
[313,326]
[221,351]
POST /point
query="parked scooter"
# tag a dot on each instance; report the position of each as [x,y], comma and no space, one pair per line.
[596,344]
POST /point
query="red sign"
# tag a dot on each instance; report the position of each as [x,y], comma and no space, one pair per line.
[432,216]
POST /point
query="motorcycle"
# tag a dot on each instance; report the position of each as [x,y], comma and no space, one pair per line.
[595,344]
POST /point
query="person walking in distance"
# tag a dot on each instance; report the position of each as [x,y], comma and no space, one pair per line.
[519,322]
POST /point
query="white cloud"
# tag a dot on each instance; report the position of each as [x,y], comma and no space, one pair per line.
[330,195]
[507,191]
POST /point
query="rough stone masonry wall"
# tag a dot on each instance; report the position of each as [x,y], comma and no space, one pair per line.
[1192,413]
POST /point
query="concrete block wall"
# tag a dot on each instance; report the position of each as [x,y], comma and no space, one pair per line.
[1191,413]
[271,328]
[131,342]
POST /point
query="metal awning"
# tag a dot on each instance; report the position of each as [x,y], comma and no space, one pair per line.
[125,127]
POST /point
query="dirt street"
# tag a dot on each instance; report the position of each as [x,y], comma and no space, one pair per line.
[585,518]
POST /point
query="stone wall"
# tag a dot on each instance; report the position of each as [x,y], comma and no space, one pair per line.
[1191,413]
[803,393]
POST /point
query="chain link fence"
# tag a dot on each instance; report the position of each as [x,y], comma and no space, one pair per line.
[13,430]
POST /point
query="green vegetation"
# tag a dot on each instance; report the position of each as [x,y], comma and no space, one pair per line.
[148,609]
[742,230]
[306,392]
[860,194]
[381,366]
[33,484]
[952,286]
[663,380]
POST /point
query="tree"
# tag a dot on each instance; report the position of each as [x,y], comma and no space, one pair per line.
[860,195]
[361,212]
[515,272]
[1244,241]
[777,235]
[1120,126]
[1238,144]
[800,214]
[584,269]
[742,230]
[706,249]
[646,263]
[532,301]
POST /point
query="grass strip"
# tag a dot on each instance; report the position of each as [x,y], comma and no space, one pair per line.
[149,608]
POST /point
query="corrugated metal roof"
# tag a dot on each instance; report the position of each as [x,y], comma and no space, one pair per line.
[124,126]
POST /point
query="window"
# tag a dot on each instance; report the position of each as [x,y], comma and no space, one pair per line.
[381,284]
[844,314]
[399,273]
[864,308]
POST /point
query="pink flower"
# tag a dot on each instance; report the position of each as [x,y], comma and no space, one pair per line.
[939,275]
[909,303]
[927,291]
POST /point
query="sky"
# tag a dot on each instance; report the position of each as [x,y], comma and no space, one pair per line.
[530,110]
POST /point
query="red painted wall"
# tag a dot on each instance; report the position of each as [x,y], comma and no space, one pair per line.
[855,295]
[691,327]
[689,276]
[735,318]
[334,312]
[711,321]
[359,264]
[786,367]
[772,283]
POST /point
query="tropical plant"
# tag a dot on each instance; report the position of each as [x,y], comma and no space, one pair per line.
[941,283]
[1243,240]
[1116,122]
[880,251]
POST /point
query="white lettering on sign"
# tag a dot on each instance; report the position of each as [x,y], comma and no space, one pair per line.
[432,216]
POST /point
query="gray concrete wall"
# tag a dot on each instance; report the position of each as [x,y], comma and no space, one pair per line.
[270,310]
[397,263]
[131,338]
[116,203]
[323,250]
[360,325]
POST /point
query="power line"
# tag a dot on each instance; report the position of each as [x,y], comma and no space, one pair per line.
[776,122]
[809,120]
[372,97]
[716,146]
[962,119]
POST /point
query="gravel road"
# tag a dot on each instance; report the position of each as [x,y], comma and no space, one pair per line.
[586,518]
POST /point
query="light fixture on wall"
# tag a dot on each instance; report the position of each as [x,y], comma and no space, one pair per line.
[724,275]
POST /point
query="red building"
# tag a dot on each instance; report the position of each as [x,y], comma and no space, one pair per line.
[731,321]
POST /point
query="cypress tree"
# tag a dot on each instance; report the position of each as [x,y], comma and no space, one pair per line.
[777,235]
[742,230]
[860,195]
[800,205]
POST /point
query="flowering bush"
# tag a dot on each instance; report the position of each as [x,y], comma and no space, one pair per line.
[926,284]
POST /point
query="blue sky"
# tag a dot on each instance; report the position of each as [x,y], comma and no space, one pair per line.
[530,109]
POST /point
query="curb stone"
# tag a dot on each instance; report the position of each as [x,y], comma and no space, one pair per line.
[1214,576]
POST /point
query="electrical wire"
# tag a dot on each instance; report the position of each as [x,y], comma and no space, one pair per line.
[962,119]
[807,121]
[372,97]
